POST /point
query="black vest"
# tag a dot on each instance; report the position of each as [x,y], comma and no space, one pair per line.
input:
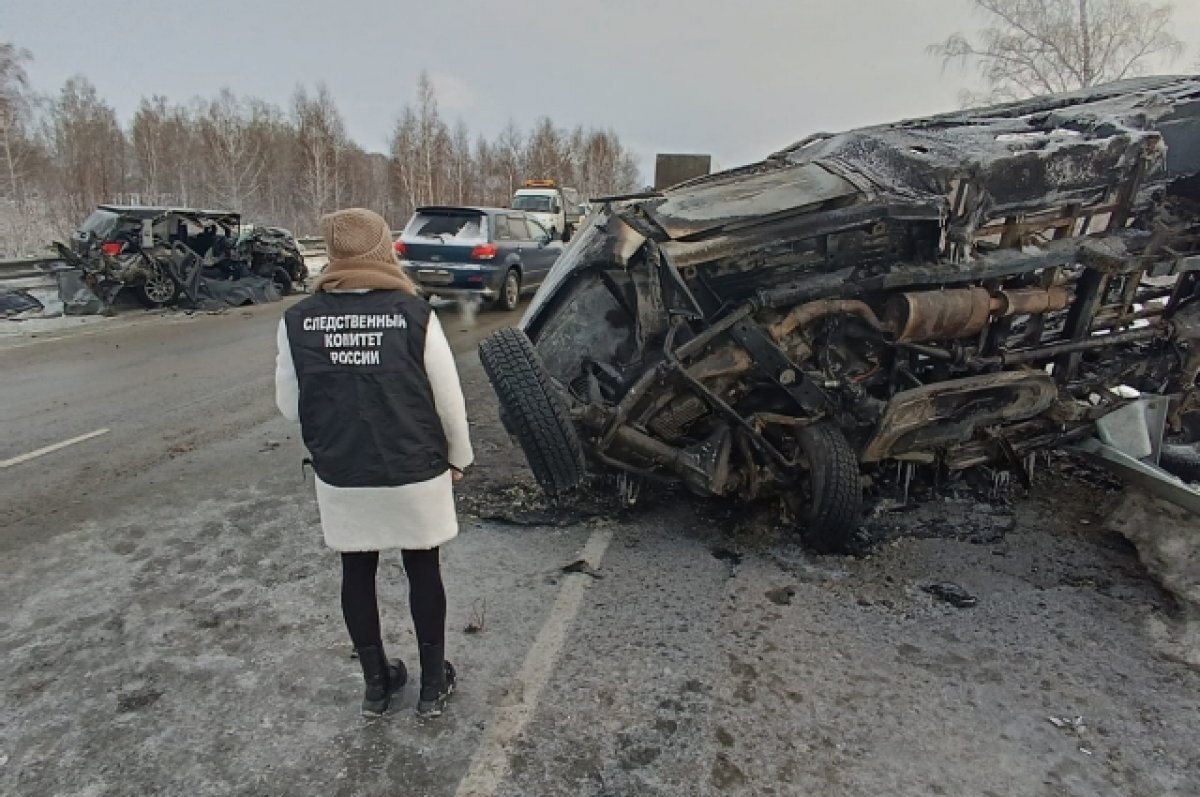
[366,406]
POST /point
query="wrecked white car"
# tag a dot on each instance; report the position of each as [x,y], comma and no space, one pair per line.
[959,290]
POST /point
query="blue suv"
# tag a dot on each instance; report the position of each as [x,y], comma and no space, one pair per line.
[493,253]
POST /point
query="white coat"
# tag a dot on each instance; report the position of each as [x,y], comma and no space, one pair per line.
[412,516]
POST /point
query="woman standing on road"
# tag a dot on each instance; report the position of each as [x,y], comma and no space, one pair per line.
[365,368]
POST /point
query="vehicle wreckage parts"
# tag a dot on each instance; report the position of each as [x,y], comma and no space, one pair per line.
[935,416]
[158,288]
[533,411]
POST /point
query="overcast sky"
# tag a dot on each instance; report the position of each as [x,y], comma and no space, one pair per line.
[735,78]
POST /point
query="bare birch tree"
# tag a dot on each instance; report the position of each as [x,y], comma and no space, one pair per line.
[14,88]
[321,144]
[88,148]
[232,158]
[1031,47]
[62,156]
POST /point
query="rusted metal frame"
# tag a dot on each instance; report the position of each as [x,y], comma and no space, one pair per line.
[1010,232]
[645,473]
[932,352]
[674,363]
[1093,283]
[1185,287]
[1065,222]
[969,455]
[1129,294]
[952,251]
[773,363]
[640,388]
[732,415]
[1089,291]
[673,283]
[663,454]
[1037,324]
[1070,347]
[1103,322]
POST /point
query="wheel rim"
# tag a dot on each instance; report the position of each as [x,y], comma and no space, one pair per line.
[511,290]
[159,287]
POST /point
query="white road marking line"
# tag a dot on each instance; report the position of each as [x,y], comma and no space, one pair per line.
[8,463]
[490,763]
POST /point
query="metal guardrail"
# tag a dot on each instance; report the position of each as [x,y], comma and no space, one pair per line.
[25,267]
[315,245]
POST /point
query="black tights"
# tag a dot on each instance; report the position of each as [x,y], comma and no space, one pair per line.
[426,596]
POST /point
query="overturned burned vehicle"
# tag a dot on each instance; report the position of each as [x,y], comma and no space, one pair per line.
[958,290]
[168,255]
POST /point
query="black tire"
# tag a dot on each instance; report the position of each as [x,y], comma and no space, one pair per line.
[282,281]
[568,233]
[510,291]
[533,411]
[158,291]
[299,272]
[831,510]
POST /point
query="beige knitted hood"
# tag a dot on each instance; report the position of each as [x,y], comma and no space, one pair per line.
[361,257]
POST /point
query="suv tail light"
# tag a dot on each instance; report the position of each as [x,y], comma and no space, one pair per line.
[401,249]
[112,248]
[483,252]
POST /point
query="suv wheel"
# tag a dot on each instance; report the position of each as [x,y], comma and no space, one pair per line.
[159,288]
[282,281]
[510,291]
[533,410]
[830,505]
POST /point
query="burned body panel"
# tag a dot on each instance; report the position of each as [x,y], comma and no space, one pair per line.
[960,289]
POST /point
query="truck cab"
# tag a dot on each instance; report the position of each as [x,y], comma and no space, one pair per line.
[555,208]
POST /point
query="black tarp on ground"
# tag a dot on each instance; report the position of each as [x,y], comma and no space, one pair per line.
[17,302]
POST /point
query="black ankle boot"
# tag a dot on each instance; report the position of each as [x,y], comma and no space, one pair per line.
[383,679]
[437,681]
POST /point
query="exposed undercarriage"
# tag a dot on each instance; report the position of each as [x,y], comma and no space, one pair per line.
[959,290]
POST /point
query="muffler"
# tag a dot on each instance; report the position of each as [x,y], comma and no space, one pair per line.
[963,312]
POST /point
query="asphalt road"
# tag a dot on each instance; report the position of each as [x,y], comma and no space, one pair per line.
[170,621]
[152,387]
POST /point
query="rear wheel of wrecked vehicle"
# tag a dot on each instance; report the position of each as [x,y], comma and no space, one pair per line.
[830,506]
[510,291]
[533,410]
[159,288]
[282,281]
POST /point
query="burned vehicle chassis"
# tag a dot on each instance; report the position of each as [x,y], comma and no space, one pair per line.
[962,290]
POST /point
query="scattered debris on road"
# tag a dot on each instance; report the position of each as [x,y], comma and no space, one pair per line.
[582,566]
[781,596]
[727,555]
[14,304]
[951,593]
[478,621]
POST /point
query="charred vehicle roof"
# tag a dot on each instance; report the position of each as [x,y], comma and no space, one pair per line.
[961,289]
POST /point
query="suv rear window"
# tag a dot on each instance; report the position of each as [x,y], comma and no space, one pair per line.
[102,224]
[466,228]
